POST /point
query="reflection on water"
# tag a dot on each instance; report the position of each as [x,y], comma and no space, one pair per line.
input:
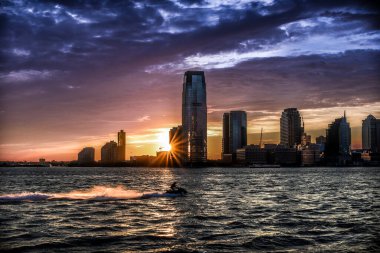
[226,210]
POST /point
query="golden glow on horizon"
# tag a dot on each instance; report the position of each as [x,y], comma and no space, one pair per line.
[148,138]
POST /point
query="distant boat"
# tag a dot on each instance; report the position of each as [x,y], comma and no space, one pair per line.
[264,166]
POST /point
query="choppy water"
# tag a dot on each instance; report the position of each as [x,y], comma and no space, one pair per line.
[226,210]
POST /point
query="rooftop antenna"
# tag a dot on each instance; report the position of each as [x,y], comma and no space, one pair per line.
[261,137]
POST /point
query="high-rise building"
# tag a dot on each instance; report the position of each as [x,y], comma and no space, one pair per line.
[121,142]
[109,152]
[371,134]
[320,140]
[86,155]
[226,134]
[177,144]
[291,129]
[234,132]
[194,116]
[338,141]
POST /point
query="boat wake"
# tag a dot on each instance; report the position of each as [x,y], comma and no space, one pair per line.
[93,193]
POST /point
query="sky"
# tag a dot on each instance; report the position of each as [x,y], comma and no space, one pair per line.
[73,73]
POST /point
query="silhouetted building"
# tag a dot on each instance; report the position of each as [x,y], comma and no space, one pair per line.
[234,132]
[121,143]
[310,155]
[305,139]
[371,134]
[270,154]
[321,141]
[86,155]
[194,116]
[338,142]
[142,160]
[285,156]
[251,154]
[291,129]
[109,152]
[177,145]
[226,134]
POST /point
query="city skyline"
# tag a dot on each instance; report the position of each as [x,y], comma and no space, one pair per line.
[82,74]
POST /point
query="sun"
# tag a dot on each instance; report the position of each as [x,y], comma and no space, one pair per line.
[163,141]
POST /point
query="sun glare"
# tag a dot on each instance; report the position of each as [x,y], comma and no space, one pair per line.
[163,140]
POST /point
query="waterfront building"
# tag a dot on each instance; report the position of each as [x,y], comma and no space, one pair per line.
[121,143]
[86,155]
[285,156]
[338,142]
[321,140]
[234,132]
[310,155]
[251,154]
[270,154]
[371,134]
[291,129]
[226,135]
[109,152]
[194,117]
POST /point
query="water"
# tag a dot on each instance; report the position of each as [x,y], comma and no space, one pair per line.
[226,210]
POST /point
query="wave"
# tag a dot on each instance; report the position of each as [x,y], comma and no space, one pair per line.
[93,193]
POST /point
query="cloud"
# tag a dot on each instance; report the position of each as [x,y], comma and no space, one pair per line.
[312,36]
[144,118]
[21,52]
[26,75]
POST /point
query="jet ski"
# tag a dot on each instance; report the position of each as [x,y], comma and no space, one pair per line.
[178,191]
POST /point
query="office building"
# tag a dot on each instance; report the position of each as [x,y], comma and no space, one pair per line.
[234,132]
[121,143]
[226,134]
[338,142]
[291,128]
[310,155]
[109,152]
[371,134]
[86,155]
[194,117]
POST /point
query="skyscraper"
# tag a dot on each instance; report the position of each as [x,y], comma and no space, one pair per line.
[109,152]
[194,116]
[338,141]
[121,142]
[86,155]
[226,134]
[291,129]
[234,132]
[371,134]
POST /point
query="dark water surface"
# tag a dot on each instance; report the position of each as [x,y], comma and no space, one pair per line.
[226,210]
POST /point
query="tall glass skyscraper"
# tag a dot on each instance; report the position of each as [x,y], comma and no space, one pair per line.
[194,117]
[291,128]
[121,143]
[338,141]
[371,134]
[234,131]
